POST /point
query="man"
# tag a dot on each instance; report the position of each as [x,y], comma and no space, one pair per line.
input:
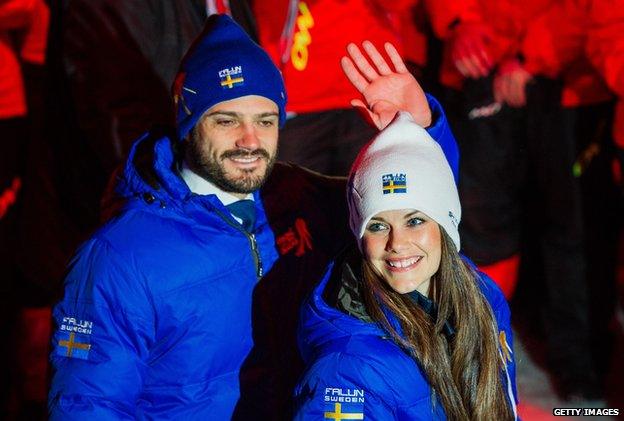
[164,303]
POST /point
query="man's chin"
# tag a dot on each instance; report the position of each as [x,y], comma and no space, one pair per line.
[247,182]
[246,173]
[233,178]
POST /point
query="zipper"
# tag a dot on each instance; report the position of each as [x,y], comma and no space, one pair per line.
[252,242]
[256,254]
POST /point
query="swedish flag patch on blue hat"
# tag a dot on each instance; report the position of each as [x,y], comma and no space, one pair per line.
[231,77]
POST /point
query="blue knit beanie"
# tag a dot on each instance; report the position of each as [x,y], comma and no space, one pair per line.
[223,64]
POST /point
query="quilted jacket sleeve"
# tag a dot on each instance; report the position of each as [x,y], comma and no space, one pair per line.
[440,131]
[101,338]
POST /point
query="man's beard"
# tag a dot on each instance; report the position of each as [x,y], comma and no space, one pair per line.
[210,167]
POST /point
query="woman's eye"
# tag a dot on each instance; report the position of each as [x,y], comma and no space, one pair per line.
[376,227]
[413,222]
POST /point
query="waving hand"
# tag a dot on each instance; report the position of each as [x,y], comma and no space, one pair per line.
[385,91]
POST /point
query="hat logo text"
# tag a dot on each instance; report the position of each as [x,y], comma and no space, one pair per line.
[231,77]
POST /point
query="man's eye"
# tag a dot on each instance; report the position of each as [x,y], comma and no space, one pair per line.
[376,227]
[266,123]
[413,222]
[225,122]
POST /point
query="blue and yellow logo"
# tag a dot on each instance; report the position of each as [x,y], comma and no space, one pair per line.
[337,414]
[73,346]
[394,183]
[343,404]
[231,77]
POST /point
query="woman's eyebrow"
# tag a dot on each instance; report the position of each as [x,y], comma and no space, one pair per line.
[409,215]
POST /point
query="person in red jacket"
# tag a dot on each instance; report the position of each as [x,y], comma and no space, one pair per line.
[605,50]
[23,30]
[477,35]
[577,164]
[306,40]
[502,49]
[23,26]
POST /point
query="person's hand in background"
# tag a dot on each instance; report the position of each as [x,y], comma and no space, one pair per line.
[510,83]
[469,50]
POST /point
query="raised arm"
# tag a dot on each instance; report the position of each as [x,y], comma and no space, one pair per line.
[386,90]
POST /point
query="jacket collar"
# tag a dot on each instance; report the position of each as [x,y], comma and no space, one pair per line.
[151,171]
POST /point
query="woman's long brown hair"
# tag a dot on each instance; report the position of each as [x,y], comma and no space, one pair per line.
[464,372]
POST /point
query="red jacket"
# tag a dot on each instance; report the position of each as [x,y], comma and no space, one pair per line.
[506,19]
[309,53]
[549,34]
[411,24]
[554,46]
[23,32]
[605,49]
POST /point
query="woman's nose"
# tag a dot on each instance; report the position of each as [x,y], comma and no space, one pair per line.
[397,241]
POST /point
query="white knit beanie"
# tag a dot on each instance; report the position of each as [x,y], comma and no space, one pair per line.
[403,168]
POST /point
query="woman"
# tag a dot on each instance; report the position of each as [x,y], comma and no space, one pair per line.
[404,328]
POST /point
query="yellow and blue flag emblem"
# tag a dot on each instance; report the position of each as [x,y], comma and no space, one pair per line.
[394,183]
[337,413]
[343,404]
[73,345]
[231,77]
[73,337]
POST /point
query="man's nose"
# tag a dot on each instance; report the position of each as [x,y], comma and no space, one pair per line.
[248,138]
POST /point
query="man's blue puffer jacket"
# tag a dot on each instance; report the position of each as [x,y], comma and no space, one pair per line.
[355,370]
[156,317]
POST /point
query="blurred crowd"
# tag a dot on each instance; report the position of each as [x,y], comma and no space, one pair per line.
[533,90]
